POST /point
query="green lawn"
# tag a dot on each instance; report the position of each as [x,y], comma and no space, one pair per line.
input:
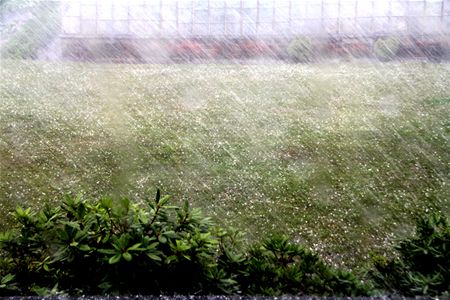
[340,157]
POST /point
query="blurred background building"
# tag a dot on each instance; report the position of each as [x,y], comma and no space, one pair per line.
[237,18]
[162,30]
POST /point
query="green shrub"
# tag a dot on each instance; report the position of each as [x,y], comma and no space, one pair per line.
[277,267]
[7,284]
[120,247]
[13,5]
[34,34]
[109,247]
[301,50]
[423,263]
[386,49]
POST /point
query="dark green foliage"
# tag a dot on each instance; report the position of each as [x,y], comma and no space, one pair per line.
[111,247]
[386,49]
[277,267]
[120,247]
[7,284]
[423,263]
[301,50]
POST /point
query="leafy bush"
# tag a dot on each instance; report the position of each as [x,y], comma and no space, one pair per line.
[7,6]
[277,267]
[7,284]
[124,248]
[301,50]
[107,247]
[34,34]
[386,49]
[423,263]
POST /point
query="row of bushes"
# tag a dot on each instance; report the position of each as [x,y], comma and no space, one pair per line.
[109,247]
[124,50]
[303,49]
[7,6]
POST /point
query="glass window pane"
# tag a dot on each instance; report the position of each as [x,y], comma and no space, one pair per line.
[185,15]
[330,25]
[314,26]
[364,9]
[142,28]
[313,10]
[380,24]
[104,12]
[201,15]
[363,26]
[250,3]
[217,15]
[416,8]
[307,27]
[200,29]
[433,9]
[331,10]
[398,9]
[347,26]
[137,12]
[265,14]
[88,12]
[217,4]
[265,29]
[233,3]
[348,10]
[249,28]
[120,12]
[184,4]
[217,29]
[200,4]
[282,14]
[381,9]
[282,28]
[298,10]
[169,27]
[432,24]
[232,16]
[249,14]
[398,24]
[266,3]
[105,27]
[88,27]
[297,26]
[168,12]
[184,29]
[72,9]
[120,27]
[71,25]
[232,29]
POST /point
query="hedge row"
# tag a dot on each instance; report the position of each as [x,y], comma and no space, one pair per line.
[152,248]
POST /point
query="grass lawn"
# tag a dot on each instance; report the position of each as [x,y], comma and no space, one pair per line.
[341,157]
